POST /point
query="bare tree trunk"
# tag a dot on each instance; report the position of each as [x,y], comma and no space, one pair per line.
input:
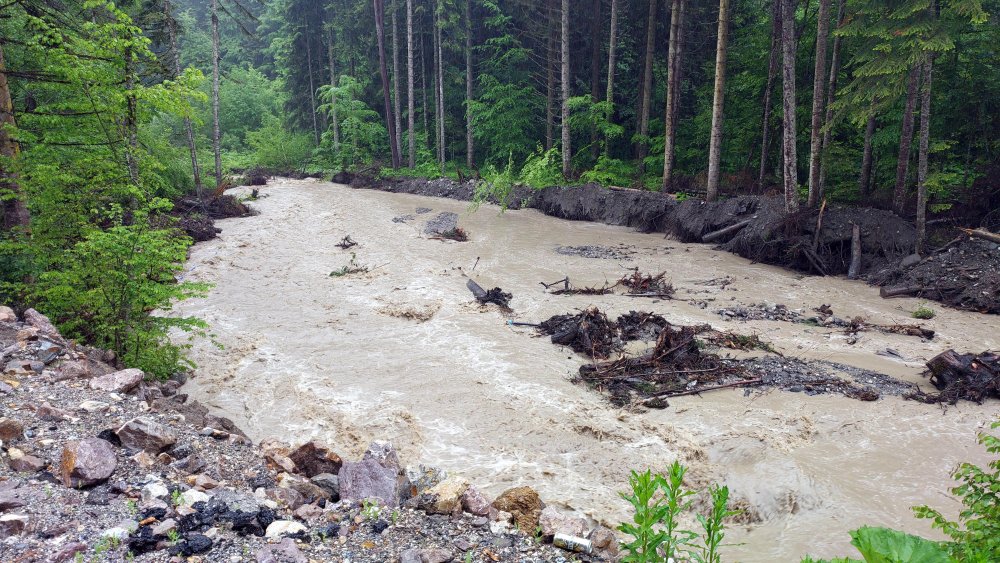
[175,54]
[423,89]
[469,148]
[819,93]
[396,103]
[215,94]
[772,75]
[647,86]
[312,85]
[333,84]
[440,81]
[905,140]
[595,69]
[866,161]
[790,157]
[831,93]
[13,210]
[384,72]
[567,152]
[410,105]
[925,133]
[612,52]
[715,143]
[550,82]
[674,49]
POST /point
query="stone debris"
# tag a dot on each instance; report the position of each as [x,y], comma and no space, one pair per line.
[98,463]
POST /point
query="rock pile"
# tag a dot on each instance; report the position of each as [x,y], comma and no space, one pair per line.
[100,464]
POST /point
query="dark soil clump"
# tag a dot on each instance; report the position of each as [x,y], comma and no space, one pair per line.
[969,377]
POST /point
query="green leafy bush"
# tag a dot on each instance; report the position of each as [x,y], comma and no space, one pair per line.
[110,284]
[923,312]
[611,172]
[276,148]
[658,501]
[542,168]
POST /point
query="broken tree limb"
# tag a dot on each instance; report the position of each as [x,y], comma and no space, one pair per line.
[855,268]
[732,229]
[477,291]
[899,291]
[704,389]
[819,226]
[346,242]
[982,234]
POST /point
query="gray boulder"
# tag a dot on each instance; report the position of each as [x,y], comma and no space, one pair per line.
[87,462]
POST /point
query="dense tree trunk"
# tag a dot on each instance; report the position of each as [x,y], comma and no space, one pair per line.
[567,152]
[831,93]
[674,49]
[789,156]
[333,84]
[423,90]
[864,182]
[13,211]
[215,94]
[647,86]
[819,97]
[612,53]
[595,69]
[175,54]
[905,140]
[312,85]
[410,105]
[396,103]
[925,133]
[550,79]
[384,73]
[469,148]
[442,155]
[131,122]
[772,75]
[715,143]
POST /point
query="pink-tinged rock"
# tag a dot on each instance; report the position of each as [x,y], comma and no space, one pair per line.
[49,413]
[26,464]
[82,369]
[284,551]
[41,322]
[87,462]
[7,315]
[368,478]
[552,523]
[12,525]
[118,382]
[141,433]
[475,502]
[69,551]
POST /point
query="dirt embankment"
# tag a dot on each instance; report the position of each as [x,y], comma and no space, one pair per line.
[812,241]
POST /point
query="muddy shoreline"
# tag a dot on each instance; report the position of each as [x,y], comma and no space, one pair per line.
[810,242]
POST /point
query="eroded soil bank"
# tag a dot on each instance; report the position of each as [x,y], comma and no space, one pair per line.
[402,352]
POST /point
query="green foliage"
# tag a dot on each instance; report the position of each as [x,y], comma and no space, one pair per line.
[497,185]
[108,286]
[542,169]
[923,312]
[363,137]
[975,536]
[276,148]
[611,172]
[883,545]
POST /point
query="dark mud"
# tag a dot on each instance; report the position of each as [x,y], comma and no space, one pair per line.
[812,241]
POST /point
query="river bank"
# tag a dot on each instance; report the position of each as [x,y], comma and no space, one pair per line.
[403,352]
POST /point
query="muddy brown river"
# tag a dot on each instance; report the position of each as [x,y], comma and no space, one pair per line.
[403,353]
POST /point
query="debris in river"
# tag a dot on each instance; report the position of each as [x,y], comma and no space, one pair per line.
[346,242]
[352,267]
[825,318]
[646,285]
[457,234]
[620,252]
[588,332]
[745,342]
[495,295]
[972,377]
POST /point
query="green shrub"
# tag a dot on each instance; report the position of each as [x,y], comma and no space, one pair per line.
[542,169]
[658,502]
[923,312]
[276,148]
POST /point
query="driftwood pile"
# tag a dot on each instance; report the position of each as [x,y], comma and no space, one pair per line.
[495,295]
[634,284]
[969,377]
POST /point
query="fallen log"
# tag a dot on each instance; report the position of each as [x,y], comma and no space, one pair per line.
[982,234]
[899,291]
[732,229]
[701,390]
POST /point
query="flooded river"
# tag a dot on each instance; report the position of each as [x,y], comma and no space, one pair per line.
[403,353]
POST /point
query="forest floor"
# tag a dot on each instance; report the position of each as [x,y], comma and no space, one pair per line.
[963,275]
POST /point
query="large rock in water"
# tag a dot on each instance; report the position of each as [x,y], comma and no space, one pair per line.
[141,433]
[369,479]
[524,503]
[118,382]
[87,462]
[312,459]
